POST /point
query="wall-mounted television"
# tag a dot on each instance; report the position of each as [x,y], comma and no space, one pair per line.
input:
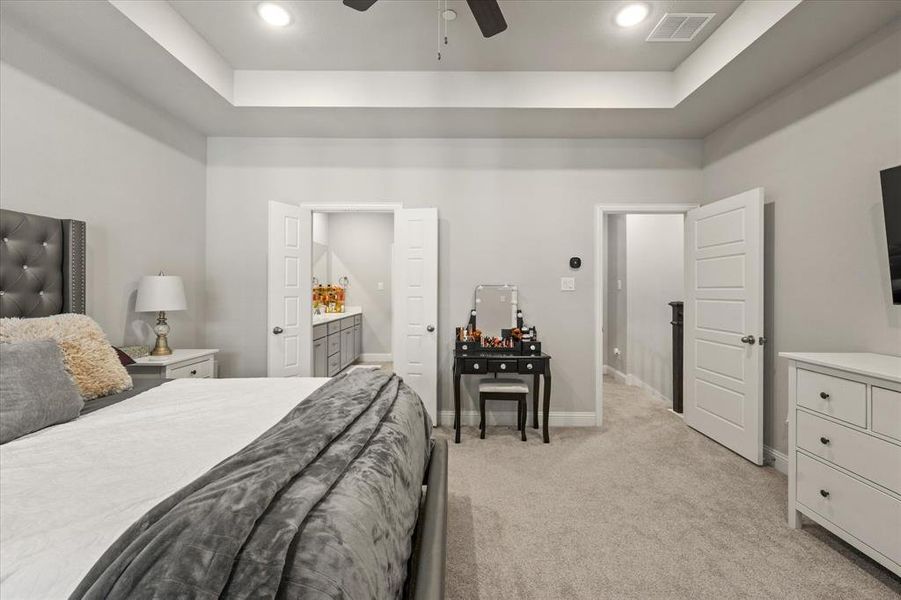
[891,205]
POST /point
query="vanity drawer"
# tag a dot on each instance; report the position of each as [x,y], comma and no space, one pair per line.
[198,370]
[334,327]
[527,365]
[858,452]
[833,396]
[887,412]
[320,331]
[334,343]
[347,323]
[533,348]
[475,365]
[861,510]
[502,366]
[334,363]
[358,319]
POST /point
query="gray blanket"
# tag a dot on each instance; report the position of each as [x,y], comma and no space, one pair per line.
[322,505]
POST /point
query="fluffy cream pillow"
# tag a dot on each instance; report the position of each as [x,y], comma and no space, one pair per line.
[89,358]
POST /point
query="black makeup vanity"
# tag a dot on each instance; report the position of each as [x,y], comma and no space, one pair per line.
[496,306]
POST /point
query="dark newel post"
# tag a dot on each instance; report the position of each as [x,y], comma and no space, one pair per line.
[677,355]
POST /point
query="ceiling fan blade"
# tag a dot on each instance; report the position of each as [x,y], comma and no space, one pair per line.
[488,15]
[359,5]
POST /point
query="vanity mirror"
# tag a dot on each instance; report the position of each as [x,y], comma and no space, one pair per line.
[496,307]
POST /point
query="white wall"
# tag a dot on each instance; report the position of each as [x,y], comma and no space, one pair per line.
[615,324]
[654,275]
[817,149]
[360,245]
[320,249]
[509,210]
[140,190]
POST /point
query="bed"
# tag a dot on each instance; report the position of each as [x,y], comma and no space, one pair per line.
[296,488]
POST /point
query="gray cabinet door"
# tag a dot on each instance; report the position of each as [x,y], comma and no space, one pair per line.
[320,358]
[347,347]
[358,340]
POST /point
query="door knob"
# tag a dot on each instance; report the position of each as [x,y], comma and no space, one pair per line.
[430,328]
[748,339]
[277,330]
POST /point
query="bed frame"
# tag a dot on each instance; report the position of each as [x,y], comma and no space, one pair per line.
[43,273]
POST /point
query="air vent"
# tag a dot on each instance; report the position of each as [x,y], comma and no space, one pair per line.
[679,27]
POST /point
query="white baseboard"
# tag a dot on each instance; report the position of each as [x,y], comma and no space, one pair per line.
[374,357]
[778,460]
[617,375]
[508,417]
[652,392]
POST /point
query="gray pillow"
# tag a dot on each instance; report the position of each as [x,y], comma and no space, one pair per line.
[35,389]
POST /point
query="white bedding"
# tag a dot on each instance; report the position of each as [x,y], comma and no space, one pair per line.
[69,491]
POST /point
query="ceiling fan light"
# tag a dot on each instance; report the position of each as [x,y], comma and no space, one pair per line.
[632,14]
[273,14]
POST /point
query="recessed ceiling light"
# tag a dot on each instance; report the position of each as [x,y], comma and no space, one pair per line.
[632,14]
[273,14]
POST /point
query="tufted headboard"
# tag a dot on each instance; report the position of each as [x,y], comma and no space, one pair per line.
[42,265]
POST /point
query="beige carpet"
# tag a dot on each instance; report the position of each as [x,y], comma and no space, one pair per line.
[645,508]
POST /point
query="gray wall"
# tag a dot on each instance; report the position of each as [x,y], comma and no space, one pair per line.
[615,326]
[654,267]
[360,246]
[817,149]
[509,210]
[137,178]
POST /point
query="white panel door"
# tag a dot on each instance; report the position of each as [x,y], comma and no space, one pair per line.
[724,322]
[289,327]
[415,335]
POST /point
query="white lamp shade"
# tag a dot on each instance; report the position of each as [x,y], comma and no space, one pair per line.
[160,292]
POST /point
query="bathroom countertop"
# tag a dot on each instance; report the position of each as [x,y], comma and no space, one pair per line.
[349,311]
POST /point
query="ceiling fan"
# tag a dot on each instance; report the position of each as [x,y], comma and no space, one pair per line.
[487,13]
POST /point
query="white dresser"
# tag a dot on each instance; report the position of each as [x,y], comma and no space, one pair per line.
[193,363]
[844,437]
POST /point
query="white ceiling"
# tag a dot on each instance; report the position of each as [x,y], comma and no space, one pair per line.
[46,38]
[547,35]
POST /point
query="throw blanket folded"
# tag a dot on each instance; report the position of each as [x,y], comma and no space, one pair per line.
[322,505]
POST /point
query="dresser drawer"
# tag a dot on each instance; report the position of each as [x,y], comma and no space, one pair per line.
[861,510]
[863,454]
[334,327]
[833,396]
[887,412]
[475,365]
[531,348]
[334,344]
[502,366]
[527,365]
[198,370]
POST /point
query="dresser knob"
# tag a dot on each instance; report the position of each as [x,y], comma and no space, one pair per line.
[475,367]
[193,371]
[529,366]
[824,395]
[824,493]
[824,441]
[503,367]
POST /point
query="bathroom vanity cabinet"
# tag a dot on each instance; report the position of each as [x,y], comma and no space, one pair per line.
[337,341]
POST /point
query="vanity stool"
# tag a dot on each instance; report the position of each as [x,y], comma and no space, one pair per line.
[504,389]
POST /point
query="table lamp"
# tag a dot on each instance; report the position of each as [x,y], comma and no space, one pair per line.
[159,293]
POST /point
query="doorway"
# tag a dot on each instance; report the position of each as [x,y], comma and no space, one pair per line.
[410,282]
[638,270]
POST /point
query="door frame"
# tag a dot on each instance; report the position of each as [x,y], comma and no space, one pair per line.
[369,207]
[600,257]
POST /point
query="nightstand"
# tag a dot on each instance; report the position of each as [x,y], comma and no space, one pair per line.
[197,364]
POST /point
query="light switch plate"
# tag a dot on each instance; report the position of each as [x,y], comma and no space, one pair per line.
[568,284]
[380,285]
